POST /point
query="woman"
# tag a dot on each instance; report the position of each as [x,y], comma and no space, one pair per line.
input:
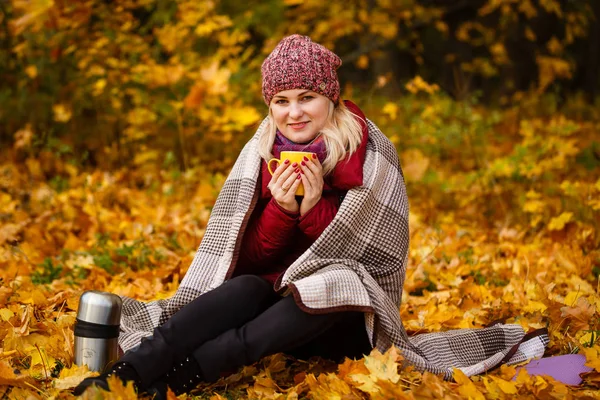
[320,274]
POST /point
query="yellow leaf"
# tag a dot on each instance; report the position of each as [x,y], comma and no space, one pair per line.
[418,84]
[534,206]
[217,78]
[245,116]
[384,366]
[391,109]
[571,298]
[558,223]
[533,306]
[530,35]
[381,367]
[145,157]
[363,62]
[61,113]
[592,355]
[31,71]
[466,387]
[6,314]
[9,378]
[99,86]
[551,68]
[23,137]
[36,297]
[587,338]
[507,387]
[414,165]
[554,46]
[120,391]
[328,386]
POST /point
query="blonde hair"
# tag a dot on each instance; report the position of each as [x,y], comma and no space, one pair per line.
[342,135]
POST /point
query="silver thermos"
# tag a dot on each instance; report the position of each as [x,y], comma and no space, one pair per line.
[97,330]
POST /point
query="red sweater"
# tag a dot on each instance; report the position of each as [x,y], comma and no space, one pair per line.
[275,237]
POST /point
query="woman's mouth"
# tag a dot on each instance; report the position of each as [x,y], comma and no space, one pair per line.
[297,126]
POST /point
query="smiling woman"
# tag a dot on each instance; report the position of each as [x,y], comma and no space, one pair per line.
[299,114]
[314,274]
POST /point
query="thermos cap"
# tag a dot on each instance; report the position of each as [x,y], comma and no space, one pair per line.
[99,308]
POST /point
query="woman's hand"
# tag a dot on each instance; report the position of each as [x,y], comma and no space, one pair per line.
[283,185]
[312,180]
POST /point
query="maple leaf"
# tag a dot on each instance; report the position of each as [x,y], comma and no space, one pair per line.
[382,371]
[352,367]
[71,377]
[10,376]
[592,356]
[466,387]
[580,315]
[195,96]
[329,387]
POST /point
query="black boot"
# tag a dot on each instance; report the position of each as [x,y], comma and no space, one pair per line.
[121,370]
[182,377]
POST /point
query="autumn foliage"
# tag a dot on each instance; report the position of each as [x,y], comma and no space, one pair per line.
[120,121]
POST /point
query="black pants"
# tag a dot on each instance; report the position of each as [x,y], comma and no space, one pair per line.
[240,322]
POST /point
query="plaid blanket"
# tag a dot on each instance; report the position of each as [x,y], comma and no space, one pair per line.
[358,263]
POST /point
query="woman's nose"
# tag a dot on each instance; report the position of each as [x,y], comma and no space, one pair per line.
[295,110]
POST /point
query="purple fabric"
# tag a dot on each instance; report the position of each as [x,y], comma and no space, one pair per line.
[565,369]
[317,146]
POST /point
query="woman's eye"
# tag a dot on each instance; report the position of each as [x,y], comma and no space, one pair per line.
[306,98]
[280,102]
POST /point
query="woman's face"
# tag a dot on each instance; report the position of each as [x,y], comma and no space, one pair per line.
[300,114]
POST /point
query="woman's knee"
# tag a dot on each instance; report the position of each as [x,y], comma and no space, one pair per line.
[251,284]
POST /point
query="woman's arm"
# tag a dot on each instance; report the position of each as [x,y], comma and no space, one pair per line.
[268,235]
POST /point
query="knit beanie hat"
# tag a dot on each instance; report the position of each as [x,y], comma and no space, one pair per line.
[299,63]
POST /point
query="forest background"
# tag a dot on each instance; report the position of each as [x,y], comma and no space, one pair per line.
[119,121]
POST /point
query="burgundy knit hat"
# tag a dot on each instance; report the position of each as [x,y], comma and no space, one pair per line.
[299,63]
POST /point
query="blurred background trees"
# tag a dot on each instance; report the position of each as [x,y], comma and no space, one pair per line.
[110,78]
[484,99]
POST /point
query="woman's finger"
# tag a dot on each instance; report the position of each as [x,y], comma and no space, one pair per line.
[312,171]
[287,184]
[314,165]
[280,175]
[287,173]
[280,169]
[295,184]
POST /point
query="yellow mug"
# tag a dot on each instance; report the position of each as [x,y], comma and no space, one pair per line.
[293,156]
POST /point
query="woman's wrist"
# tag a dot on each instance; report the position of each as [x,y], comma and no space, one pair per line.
[307,206]
[291,207]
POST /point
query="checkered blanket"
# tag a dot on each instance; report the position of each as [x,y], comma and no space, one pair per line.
[358,263]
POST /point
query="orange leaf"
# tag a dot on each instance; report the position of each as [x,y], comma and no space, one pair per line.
[194,97]
[8,376]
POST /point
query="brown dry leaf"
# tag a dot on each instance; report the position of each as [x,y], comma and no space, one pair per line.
[195,96]
[433,387]
[351,367]
[265,387]
[591,379]
[580,315]
[13,377]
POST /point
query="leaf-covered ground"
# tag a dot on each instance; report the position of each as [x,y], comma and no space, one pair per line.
[65,229]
